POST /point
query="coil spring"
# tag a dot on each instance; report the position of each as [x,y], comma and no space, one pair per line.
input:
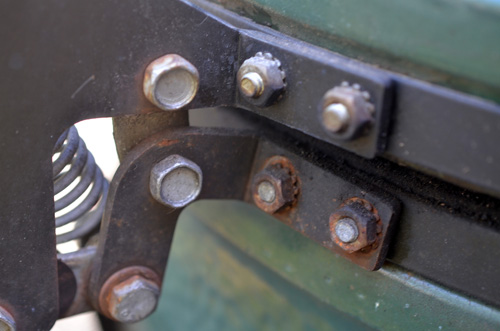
[84,172]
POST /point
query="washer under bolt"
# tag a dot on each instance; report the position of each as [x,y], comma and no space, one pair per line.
[346,230]
[175,181]
[7,322]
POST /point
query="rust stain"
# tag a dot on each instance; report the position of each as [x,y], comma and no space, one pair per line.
[119,223]
[167,142]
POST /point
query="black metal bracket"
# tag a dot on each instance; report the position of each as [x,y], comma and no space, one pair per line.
[73,65]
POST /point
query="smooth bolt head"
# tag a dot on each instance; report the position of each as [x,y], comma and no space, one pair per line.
[347,230]
[266,191]
[252,85]
[171,82]
[336,117]
[133,299]
[175,181]
[7,322]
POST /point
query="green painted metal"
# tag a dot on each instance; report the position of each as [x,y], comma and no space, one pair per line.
[454,43]
[233,267]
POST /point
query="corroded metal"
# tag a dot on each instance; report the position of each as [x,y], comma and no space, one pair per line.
[366,220]
[276,186]
[130,294]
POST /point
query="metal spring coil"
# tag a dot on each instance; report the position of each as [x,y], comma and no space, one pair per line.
[82,167]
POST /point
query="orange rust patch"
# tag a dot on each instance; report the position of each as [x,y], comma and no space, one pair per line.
[167,142]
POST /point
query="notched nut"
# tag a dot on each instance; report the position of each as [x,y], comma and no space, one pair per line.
[261,80]
[346,112]
[355,226]
[276,186]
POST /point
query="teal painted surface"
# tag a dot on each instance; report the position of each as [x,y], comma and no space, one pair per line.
[233,267]
[451,42]
[210,285]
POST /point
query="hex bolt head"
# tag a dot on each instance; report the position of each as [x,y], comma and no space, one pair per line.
[346,112]
[261,81]
[346,230]
[175,181]
[355,225]
[171,82]
[133,299]
[276,186]
[7,322]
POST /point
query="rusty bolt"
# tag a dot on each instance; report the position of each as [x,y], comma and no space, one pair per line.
[276,186]
[130,295]
[133,299]
[171,82]
[7,322]
[261,80]
[346,111]
[355,225]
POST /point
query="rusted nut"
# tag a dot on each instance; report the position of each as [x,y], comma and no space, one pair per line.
[260,79]
[171,82]
[355,226]
[7,322]
[130,295]
[346,111]
[276,186]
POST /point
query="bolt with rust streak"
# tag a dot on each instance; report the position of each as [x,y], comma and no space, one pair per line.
[276,186]
[171,82]
[133,299]
[175,181]
[130,294]
[346,111]
[7,322]
[355,225]
[261,80]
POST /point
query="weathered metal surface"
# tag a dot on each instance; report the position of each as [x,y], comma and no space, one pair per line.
[106,77]
[130,130]
[365,220]
[119,298]
[73,76]
[455,46]
[224,288]
[276,186]
[444,233]
[321,194]
[79,262]
[67,287]
[310,72]
[296,270]
[137,230]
